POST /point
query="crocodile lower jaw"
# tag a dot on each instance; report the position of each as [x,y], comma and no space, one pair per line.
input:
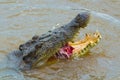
[79,48]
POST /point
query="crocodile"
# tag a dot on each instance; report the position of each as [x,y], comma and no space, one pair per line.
[39,49]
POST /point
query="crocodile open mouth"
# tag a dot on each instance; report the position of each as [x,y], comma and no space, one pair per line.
[79,48]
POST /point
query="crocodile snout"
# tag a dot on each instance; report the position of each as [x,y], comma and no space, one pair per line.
[82,19]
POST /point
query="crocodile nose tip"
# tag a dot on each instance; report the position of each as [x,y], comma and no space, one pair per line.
[83,18]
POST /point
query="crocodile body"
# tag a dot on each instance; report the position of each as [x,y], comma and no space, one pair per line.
[40,48]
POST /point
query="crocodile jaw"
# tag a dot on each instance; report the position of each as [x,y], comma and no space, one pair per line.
[83,46]
[79,48]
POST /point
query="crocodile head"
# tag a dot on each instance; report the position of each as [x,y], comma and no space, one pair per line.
[41,48]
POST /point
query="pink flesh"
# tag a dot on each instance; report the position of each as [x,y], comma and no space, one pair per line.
[65,52]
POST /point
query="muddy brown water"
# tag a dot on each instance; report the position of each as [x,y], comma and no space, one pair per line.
[21,19]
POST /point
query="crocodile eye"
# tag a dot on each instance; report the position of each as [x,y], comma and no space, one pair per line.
[35,37]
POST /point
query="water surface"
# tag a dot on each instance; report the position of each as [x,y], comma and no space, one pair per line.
[20,20]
